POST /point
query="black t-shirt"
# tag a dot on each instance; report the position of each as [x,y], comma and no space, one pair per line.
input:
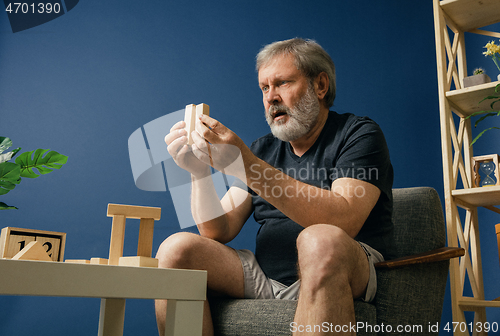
[348,146]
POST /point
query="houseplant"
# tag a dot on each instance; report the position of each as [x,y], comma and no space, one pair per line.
[11,173]
[478,77]
[485,114]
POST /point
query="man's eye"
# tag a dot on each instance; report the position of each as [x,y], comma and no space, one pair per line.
[265,89]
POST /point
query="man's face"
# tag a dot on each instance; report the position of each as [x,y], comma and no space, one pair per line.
[291,104]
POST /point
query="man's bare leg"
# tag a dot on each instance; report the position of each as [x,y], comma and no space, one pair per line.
[190,251]
[334,269]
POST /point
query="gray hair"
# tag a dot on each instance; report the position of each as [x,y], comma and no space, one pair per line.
[310,58]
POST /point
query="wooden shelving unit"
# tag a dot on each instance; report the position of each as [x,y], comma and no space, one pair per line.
[452,19]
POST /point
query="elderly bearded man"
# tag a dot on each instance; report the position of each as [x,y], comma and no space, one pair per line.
[325,233]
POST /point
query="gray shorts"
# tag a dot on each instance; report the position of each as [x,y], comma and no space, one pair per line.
[259,286]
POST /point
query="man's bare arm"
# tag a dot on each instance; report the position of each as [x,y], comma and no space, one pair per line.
[347,204]
[219,220]
[303,203]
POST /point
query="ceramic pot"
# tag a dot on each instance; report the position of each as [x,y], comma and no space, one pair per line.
[476,80]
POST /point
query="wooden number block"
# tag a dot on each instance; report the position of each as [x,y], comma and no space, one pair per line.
[192,112]
[33,251]
[13,240]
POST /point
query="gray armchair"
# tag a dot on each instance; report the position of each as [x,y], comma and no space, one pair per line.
[410,289]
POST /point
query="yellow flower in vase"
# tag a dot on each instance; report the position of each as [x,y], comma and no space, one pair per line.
[493,51]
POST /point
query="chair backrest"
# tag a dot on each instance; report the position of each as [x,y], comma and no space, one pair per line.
[418,220]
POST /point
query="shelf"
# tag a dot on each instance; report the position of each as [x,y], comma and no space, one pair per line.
[467,100]
[469,304]
[471,14]
[482,196]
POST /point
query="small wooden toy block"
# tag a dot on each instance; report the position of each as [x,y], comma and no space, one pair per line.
[192,112]
[33,251]
[138,261]
[476,161]
[13,240]
[98,261]
[120,213]
[77,261]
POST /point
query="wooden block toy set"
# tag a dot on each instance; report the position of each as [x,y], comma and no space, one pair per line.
[28,244]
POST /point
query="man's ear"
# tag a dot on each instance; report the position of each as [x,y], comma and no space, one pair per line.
[321,85]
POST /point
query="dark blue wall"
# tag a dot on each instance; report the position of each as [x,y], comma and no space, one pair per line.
[81,84]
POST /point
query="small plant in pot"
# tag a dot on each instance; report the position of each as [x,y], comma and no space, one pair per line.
[478,77]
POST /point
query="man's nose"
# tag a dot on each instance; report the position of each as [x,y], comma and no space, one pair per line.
[273,96]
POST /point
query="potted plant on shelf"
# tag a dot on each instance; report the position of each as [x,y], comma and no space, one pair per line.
[493,51]
[478,77]
[486,114]
[11,173]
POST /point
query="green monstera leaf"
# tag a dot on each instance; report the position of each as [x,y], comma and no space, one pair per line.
[4,206]
[9,176]
[36,160]
[30,164]
[5,143]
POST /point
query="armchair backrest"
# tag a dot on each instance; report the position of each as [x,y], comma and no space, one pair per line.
[418,220]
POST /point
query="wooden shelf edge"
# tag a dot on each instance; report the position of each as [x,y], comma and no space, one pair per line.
[471,304]
[467,100]
[478,197]
[470,89]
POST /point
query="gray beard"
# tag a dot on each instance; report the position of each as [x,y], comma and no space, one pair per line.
[302,117]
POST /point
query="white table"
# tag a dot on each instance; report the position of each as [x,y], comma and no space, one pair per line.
[185,290]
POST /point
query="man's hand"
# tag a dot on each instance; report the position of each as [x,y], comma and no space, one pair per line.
[216,145]
[182,154]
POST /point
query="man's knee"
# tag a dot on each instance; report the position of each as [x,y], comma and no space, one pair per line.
[178,250]
[324,249]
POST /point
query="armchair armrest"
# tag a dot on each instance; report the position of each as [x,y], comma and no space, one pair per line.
[443,253]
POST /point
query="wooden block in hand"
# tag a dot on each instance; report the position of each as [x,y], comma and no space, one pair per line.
[192,113]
